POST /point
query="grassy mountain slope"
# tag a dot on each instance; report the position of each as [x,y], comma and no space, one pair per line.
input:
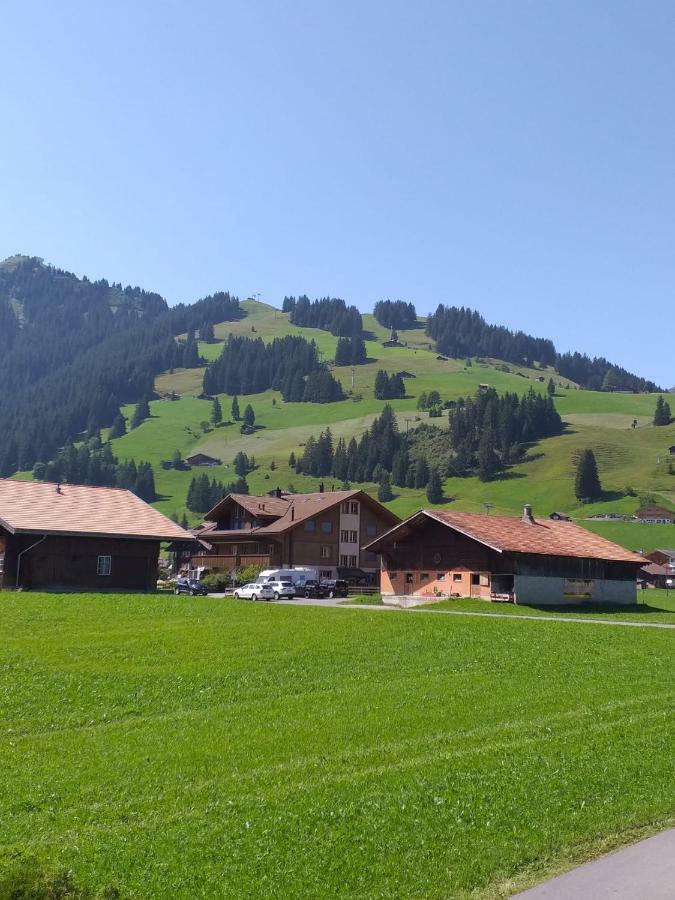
[627,457]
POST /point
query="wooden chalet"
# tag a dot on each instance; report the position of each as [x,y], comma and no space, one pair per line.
[202,459]
[324,530]
[75,537]
[435,553]
[655,515]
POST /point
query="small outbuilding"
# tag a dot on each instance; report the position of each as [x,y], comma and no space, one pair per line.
[436,554]
[202,459]
[76,537]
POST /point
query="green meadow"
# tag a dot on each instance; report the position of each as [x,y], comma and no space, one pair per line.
[633,462]
[161,746]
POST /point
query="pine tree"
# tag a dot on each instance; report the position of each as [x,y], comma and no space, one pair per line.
[488,462]
[119,427]
[249,416]
[550,388]
[435,487]
[241,464]
[235,409]
[384,491]
[141,413]
[662,412]
[587,482]
[216,412]
[292,460]
[421,473]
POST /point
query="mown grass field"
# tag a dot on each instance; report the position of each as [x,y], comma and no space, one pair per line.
[175,747]
[653,606]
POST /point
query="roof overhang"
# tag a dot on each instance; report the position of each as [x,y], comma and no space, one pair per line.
[98,534]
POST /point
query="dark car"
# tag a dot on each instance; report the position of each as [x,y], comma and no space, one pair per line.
[335,587]
[314,589]
[190,586]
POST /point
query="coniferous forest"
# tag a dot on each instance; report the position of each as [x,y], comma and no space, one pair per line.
[289,364]
[93,462]
[82,349]
[329,313]
[461,332]
[485,433]
[395,314]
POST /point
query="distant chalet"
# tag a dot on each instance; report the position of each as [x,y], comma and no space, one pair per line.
[655,515]
[202,459]
[75,537]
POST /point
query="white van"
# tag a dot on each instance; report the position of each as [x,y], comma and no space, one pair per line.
[298,575]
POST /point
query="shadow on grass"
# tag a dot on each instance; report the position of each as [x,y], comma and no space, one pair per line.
[597,610]
[508,475]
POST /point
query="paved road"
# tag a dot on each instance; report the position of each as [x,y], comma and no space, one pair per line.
[584,620]
[645,871]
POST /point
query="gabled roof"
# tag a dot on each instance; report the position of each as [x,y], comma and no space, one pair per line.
[35,507]
[289,510]
[508,534]
[655,569]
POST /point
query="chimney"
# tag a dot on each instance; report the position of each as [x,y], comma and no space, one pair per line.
[58,489]
[292,513]
[527,515]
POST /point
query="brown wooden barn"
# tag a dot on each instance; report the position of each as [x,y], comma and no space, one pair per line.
[437,553]
[75,537]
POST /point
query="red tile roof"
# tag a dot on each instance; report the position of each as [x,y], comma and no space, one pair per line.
[508,534]
[287,510]
[36,507]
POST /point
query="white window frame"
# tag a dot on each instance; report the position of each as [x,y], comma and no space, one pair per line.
[104,566]
[325,551]
[2,563]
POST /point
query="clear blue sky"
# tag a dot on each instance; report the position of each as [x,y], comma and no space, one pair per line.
[516,157]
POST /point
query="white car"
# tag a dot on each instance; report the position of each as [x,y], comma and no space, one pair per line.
[284,588]
[254,591]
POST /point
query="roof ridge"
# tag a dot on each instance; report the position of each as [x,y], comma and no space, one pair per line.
[90,487]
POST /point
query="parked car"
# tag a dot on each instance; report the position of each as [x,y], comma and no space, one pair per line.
[284,588]
[335,587]
[314,589]
[190,586]
[254,591]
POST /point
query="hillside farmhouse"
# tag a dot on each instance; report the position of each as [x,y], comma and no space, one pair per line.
[76,537]
[202,459]
[663,558]
[437,553]
[324,530]
[655,515]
